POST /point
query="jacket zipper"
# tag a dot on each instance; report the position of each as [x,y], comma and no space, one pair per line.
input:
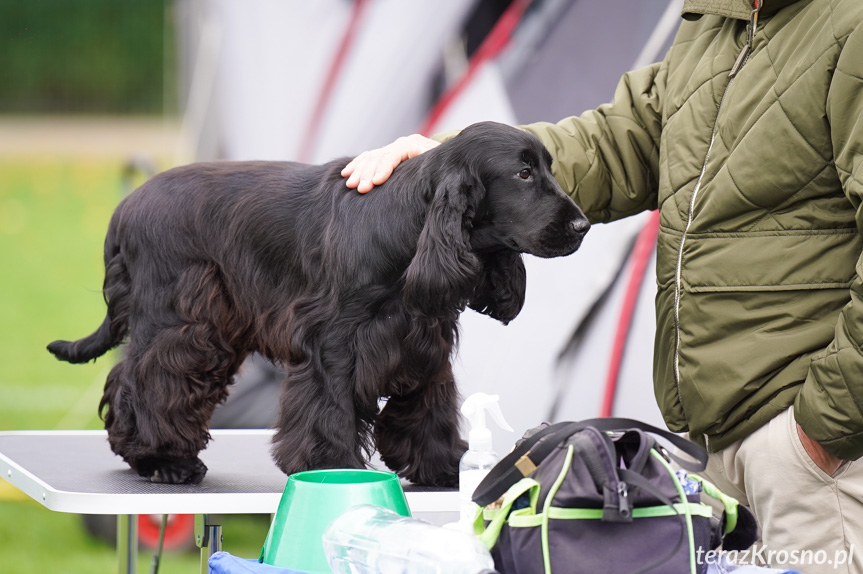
[741,60]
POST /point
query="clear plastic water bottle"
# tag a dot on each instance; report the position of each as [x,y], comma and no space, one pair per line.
[375,540]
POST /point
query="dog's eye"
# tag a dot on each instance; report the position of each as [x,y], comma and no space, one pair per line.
[524,174]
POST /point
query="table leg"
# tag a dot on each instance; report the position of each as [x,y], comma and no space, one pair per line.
[208,537]
[127,543]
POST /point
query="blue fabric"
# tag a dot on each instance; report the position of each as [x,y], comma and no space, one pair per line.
[224,563]
[724,567]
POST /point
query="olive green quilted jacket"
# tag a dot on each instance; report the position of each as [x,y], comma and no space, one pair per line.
[752,150]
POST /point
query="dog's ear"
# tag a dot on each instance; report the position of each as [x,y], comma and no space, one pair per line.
[500,293]
[444,270]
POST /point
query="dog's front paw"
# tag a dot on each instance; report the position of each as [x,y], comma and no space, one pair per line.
[432,477]
[172,470]
[426,473]
[446,473]
[433,467]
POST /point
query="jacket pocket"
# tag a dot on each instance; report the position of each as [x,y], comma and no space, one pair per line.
[770,261]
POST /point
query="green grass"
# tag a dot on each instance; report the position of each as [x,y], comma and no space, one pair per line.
[53,217]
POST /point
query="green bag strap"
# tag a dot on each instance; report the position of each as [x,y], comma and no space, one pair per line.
[488,535]
[729,503]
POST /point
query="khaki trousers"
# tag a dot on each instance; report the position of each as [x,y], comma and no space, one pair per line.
[810,521]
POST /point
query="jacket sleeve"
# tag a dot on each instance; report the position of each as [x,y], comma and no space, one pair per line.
[608,159]
[830,404]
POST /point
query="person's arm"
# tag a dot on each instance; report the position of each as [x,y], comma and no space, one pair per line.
[829,407]
[606,158]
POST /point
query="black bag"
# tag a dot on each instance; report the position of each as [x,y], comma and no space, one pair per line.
[601,496]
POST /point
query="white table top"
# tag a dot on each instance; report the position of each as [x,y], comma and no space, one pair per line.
[75,471]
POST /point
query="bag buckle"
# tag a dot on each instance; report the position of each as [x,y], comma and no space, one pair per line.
[524,465]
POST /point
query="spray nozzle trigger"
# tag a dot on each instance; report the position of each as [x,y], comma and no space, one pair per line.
[474,409]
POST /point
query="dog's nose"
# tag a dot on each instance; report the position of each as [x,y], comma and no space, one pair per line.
[580,225]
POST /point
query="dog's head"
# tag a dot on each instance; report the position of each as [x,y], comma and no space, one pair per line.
[494,198]
[524,209]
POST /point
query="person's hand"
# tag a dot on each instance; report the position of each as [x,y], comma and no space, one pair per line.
[373,167]
[823,459]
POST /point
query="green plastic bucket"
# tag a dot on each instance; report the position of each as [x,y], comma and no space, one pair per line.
[312,500]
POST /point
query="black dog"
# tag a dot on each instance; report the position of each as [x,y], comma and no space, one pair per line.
[357,296]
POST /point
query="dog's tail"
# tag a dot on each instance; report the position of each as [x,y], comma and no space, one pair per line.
[85,349]
[113,329]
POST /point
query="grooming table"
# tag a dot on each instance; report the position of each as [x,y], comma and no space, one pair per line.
[75,471]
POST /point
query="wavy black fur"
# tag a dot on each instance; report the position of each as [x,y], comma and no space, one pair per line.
[357,296]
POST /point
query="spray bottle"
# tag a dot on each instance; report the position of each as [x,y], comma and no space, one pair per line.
[479,458]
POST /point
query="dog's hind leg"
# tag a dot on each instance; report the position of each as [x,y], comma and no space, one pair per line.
[177,367]
[161,401]
[417,433]
[132,431]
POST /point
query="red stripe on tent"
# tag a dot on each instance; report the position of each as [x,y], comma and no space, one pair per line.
[641,253]
[493,44]
[310,137]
